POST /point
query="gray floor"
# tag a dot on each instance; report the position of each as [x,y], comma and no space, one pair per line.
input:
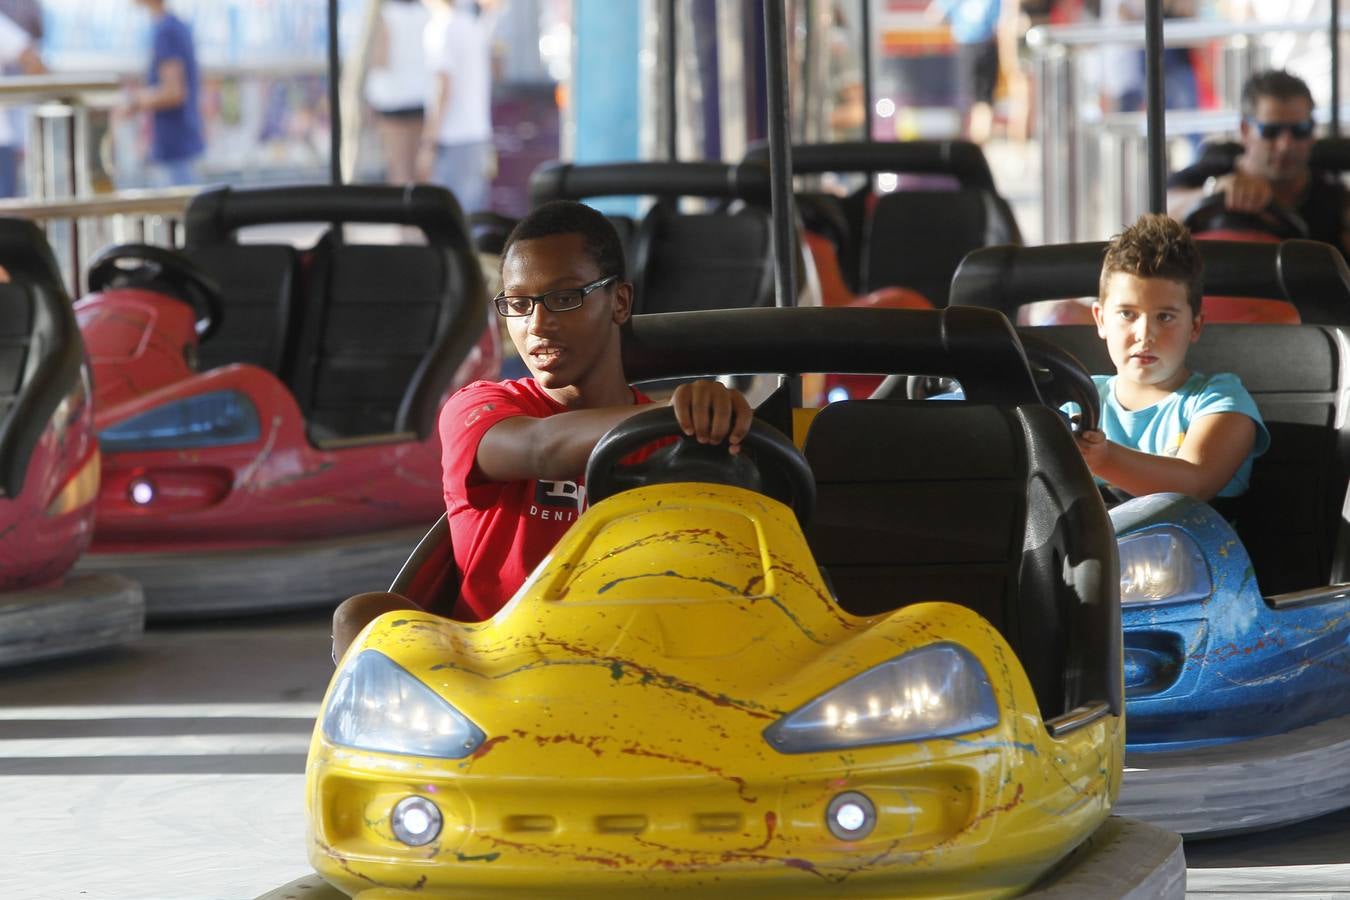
[172,770]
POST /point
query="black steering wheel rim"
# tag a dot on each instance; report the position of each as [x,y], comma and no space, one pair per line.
[1062,378]
[1212,214]
[190,282]
[769,445]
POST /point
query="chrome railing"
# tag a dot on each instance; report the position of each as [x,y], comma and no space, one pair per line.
[78,228]
[1070,161]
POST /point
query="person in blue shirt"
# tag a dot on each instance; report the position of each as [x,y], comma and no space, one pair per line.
[170,96]
[977,28]
[1164,427]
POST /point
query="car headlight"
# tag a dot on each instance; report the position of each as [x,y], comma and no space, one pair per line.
[936,691]
[213,419]
[1161,564]
[377,705]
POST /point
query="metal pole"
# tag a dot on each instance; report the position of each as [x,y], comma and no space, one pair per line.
[334,97]
[671,74]
[1157,118]
[1335,68]
[867,68]
[780,152]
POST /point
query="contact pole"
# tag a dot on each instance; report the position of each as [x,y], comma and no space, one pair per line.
[1157,112]
[1335,68]
[780,151]
[867,68]
[671,76]
[334,97]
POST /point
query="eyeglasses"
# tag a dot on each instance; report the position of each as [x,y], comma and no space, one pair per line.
[1269,131]
[554,301]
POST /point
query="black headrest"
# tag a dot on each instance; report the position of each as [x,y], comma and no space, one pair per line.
[977,347]
[214,216]
[1309,274]
[567,181]
[961,160]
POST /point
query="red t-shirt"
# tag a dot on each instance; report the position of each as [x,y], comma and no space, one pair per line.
[501,529]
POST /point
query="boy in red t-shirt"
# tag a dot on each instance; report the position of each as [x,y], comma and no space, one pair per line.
[513,452]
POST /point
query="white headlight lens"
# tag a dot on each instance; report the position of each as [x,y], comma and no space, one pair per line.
[377,705]
[936,691]
[1162,563]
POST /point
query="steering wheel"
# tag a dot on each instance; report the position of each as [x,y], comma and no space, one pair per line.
[778,469]
[1060,377]
[1210,214]
[156,268]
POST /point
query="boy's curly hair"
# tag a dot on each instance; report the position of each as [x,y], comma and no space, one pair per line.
[1156,247]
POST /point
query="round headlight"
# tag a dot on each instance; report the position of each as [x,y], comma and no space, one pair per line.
[851,816]
[416,821]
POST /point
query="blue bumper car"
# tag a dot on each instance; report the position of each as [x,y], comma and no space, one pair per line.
[1237,613]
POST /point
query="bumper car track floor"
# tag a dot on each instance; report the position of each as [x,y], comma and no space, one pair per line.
[172,769]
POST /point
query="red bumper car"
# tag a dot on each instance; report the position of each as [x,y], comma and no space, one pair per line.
[49,469]
[268,415]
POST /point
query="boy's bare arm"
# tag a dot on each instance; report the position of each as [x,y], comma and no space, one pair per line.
[1210,456]
[557,447]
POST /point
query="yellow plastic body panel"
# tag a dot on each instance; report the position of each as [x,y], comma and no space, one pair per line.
[624,693]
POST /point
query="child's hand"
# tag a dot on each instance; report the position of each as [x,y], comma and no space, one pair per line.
[712,412]
[1094,447]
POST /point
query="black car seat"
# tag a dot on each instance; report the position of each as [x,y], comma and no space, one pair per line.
[260,288]
[376,332]
[1290,520]
[682,261]
[912,238]
[41,355]
[385,326]
[1311,275]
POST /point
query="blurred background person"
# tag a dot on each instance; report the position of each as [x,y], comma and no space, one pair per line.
[456,145]
[396,85]
[170,95]
[25,15]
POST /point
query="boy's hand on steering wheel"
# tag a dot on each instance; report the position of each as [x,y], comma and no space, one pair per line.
[1093,445]
[712,413]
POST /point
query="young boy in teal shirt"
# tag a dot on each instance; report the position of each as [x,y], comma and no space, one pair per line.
[1164,427]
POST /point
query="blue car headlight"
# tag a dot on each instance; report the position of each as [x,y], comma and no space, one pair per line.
[377,705]
[1161,564]
[936,691]
[213,419]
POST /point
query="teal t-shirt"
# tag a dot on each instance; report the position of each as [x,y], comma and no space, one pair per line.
[1161,428]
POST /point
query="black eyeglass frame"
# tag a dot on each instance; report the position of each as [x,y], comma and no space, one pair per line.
[1270,131]
[549,299]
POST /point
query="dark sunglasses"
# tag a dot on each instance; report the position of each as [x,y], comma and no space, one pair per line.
[514,305]
[1269,131]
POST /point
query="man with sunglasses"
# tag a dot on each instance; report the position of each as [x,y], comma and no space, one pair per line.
[1270,164]
[513,452]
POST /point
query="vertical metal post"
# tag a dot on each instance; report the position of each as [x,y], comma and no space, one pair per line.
[334,97]
[669,79]
[867,68]
[780,152]
[1157,111]
[1335,68]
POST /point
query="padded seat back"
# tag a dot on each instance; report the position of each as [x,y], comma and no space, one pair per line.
[985,506]
[687,261]
[372,313]
[917,238]
[1290,520]
[369,336]
[259,298]
[16,333]
[41,356]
